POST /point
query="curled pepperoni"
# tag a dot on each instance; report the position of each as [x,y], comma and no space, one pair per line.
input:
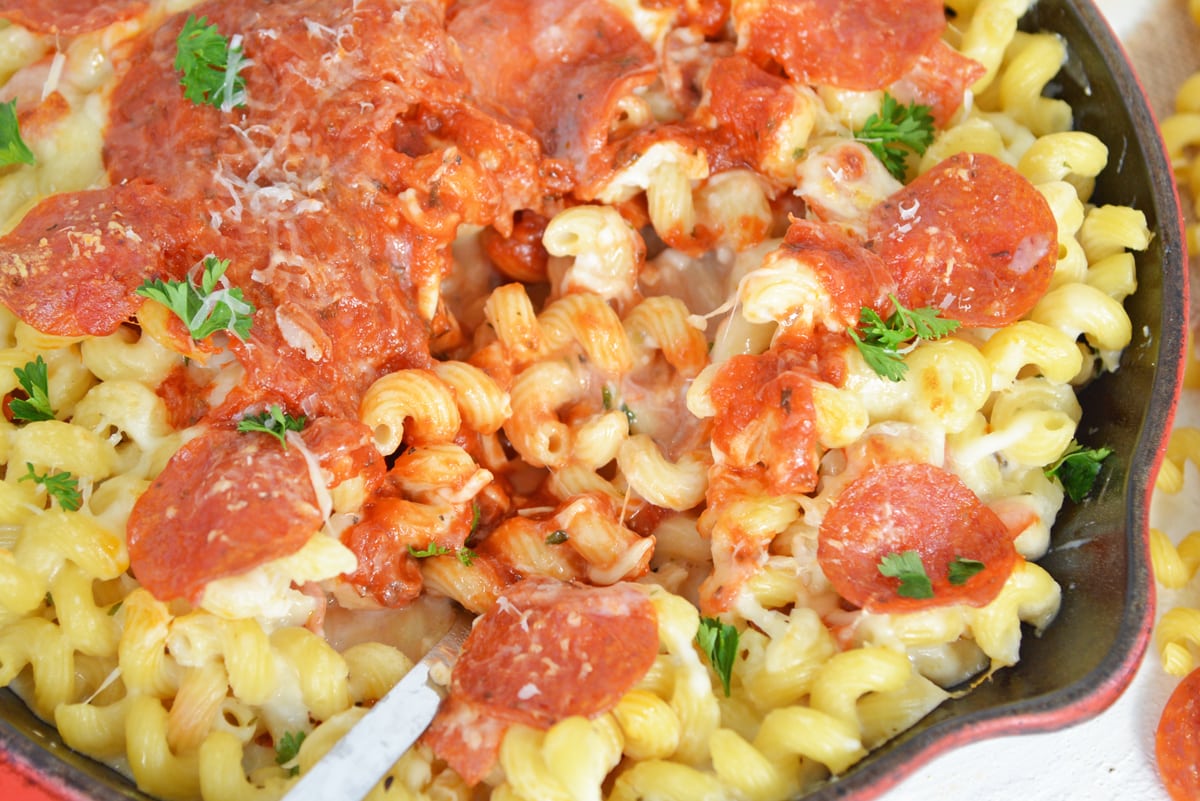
[547,651]
[72,264]
[851,275]
[225,503]
[912,506]
[939,79]
[971,237]
[68,17]
[1177,741]
[851,44]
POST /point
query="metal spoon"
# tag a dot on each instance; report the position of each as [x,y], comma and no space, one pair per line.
[360,759]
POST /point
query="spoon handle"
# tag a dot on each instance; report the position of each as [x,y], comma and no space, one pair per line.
[360,759]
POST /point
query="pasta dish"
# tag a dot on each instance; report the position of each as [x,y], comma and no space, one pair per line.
[718,357]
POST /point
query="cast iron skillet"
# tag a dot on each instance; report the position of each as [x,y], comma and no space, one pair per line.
[1090,653]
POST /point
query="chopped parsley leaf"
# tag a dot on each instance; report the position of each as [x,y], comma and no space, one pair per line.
[35,382]
[287,749]
[13,149]
[62,487]
[881,341]
[896,131]
[211,65]
[1077,469]
[907,566]
[204,308]
[274,421]
[719,643]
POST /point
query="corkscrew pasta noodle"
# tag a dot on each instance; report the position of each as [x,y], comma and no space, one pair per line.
[582,361]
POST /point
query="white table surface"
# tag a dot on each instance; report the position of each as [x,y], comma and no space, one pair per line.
[1110,757]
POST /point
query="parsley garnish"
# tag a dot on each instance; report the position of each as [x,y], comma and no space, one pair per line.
[464,554]
[287,749]
[476,516]
[274,421]
[557,537]
[433,549]
[204,309]
[13,149]
[35,382]
[961,570]
[62,487]
[907,566]
[606,397]
[1077,469]
[719,642]
[629,415]
[211,65]
[896,131]
[112,610]
[882,340]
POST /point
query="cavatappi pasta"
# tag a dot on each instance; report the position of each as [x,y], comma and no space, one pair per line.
[605,343]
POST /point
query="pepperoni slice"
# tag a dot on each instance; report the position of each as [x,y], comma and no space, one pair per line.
[851,275]
[225,503]
[1177,741]
[71,266]
[912,506]
[971,237]
[558,67]
[939,79]
[851,44]
[546,651]
[68,17]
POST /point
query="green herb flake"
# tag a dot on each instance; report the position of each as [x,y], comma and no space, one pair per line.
[719,642]
[1077,469]
[211,65]
[433,549]
[629,415]
[287,749]
[35,383]
[466,556]
[907,567]
[961,570]
[273,421]
[62,487]
[881,341]
[557,538]
[13,149]
[895,132]
[204,308]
